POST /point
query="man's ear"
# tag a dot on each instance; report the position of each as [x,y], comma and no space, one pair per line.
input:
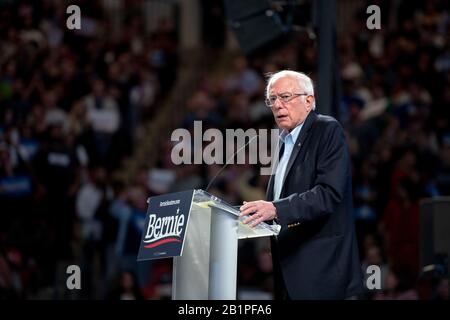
[310,101]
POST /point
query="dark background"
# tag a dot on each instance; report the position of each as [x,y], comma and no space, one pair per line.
[86,117]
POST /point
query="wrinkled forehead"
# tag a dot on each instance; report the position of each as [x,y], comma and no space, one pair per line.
[284,84]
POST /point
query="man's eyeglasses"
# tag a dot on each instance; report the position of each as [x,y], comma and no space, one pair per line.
[285,97]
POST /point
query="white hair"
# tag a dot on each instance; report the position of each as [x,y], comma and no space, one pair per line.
[304,82]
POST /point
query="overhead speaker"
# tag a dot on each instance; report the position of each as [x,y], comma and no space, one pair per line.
[238,9]
[253,22]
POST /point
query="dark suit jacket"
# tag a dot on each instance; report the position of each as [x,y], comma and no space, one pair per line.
[316,253]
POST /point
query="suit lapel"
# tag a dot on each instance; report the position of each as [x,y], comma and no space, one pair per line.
[269,193]
[310,119]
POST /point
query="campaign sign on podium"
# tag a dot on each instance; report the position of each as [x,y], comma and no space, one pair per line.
[201,233]
[165,225]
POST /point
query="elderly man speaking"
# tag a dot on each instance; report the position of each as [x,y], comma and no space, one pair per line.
[315,255]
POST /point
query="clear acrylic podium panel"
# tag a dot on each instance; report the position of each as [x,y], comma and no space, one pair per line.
[207,267]
[207,201]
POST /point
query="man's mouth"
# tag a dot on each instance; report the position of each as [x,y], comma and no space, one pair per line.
[281,117]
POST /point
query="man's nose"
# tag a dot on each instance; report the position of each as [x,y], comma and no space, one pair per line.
[277,104]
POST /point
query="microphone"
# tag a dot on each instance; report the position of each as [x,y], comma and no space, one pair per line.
[227,162]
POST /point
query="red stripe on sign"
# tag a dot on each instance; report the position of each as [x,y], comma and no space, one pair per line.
[160,242]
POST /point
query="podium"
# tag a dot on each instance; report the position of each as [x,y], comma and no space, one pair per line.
[206,267]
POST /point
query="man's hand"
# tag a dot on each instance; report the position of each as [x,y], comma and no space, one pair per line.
[260,210]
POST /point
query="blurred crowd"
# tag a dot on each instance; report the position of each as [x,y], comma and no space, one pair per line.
[70,104]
